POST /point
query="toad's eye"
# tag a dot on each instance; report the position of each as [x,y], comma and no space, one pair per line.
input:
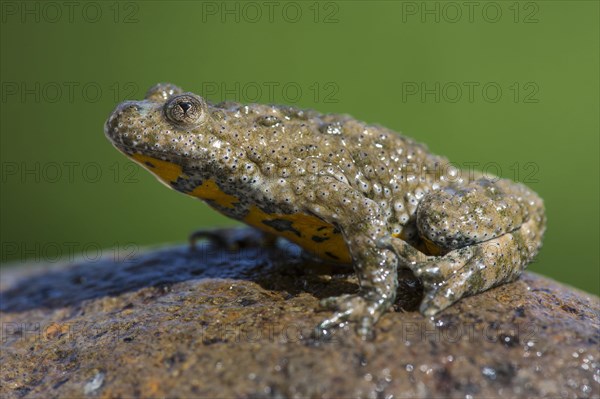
[186,110]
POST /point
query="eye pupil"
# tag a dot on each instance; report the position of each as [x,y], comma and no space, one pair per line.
[185,106]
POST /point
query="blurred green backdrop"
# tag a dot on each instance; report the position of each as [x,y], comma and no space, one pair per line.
[508,86]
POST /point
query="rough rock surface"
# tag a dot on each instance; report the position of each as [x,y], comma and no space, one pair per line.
[212,323]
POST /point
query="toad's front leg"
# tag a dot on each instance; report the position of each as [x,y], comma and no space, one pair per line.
[376,268]
[378,278]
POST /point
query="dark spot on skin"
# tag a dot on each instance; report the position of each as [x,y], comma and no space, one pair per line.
[520,311]
[444,380]
[321,228]
[213,341]
[332,256]
[268,120]
[282,225]
[247,302]
[569,309]
[150,164]
[319,239]
[59,383]
[336,230]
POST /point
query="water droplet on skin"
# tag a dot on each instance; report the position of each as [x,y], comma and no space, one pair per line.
[331,128]
[94,384]
[489,373]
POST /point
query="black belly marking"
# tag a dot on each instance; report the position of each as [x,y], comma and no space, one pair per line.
[282,225]
[319,239]
[186,184]
[331,255]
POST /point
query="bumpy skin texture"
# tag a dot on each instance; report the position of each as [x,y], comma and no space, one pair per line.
[342,189]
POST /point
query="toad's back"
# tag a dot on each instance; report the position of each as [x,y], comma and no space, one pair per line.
[303,154]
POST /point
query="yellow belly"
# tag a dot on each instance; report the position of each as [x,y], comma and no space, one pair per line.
[309,232]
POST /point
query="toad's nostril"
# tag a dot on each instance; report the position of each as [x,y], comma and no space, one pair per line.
[185,106]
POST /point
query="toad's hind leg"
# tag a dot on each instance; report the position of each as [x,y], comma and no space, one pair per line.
[489,230]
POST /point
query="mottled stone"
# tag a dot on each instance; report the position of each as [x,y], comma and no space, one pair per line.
[210,323]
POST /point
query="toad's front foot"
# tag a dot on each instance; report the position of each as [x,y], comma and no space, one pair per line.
[364,310]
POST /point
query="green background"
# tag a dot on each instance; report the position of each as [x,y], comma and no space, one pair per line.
[65,189]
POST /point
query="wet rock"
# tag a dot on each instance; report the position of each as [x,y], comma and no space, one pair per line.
[215,323]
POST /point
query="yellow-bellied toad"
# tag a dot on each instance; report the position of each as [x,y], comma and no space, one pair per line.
[342,189]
